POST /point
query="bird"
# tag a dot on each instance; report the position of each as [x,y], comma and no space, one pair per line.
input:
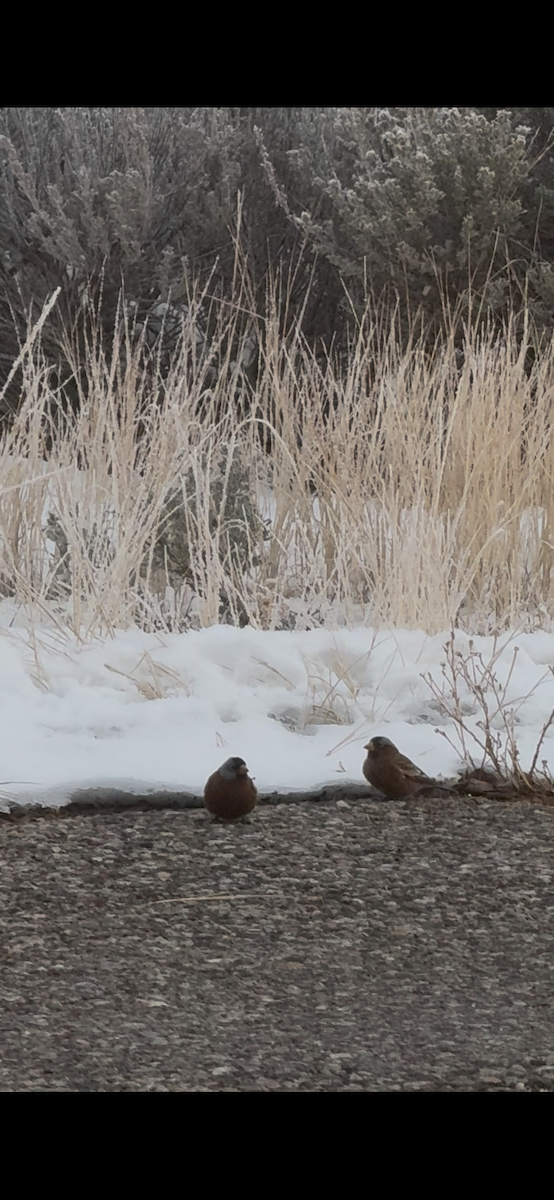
[230,793]
[392,773]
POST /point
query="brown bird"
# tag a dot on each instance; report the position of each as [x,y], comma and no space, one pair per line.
[394,774]
[230,792]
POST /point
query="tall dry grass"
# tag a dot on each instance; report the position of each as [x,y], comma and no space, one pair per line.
[400,488]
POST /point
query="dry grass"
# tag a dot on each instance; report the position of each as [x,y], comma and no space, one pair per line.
[475,684]
[402,489]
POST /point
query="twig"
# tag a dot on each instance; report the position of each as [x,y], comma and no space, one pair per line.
[544,729]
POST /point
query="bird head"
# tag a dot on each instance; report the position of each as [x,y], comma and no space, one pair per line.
[378,743]
[233,768]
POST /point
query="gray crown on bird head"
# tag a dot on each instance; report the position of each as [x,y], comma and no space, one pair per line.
[231,767]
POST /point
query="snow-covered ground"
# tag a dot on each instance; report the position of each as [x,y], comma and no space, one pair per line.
[156,711]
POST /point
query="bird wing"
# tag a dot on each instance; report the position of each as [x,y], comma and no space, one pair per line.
[409,768]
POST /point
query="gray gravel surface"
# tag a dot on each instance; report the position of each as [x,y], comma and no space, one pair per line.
[350,946]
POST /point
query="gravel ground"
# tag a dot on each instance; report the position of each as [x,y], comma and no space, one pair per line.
[341,946]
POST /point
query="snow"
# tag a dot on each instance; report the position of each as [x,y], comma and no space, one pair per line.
[148,711]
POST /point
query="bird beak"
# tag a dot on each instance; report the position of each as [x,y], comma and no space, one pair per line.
[369,746]
[242,770]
